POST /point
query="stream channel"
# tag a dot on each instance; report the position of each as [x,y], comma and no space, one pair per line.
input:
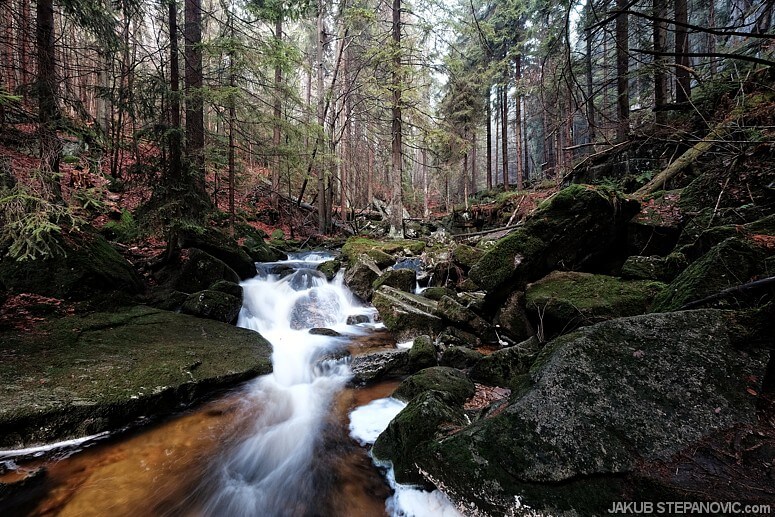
[291,443]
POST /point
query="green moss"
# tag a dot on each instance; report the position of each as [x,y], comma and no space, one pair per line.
[356,246]
[402,279]
[329,268]
[422,354]
[466,256]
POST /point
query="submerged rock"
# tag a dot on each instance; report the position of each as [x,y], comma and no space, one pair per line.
[316,309]
[599,401]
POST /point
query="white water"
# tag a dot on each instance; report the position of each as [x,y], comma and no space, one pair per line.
[272,472]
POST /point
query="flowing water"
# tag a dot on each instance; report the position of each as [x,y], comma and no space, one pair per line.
[280,445]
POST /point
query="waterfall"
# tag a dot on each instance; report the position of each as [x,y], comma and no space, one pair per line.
[272,472]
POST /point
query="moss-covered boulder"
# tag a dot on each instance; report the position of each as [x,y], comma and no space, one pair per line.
[402,279]
[507,366]
[460,357]
[330,268]
[428,417]
[260,251]
[599,403]
[214,305]
[436,293]
[222,247]
[466,256]
[453,383]
[196,271]
[453,336]
[460,316]
[227,287]
[85,264]
[407,315]
[360,276]
[511,318]
[566,300]
[383,253]
[653,267]
[574,229]
[732,262]
[80,375]
[422,354]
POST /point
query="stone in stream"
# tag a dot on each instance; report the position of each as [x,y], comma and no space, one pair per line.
[371,367]
[422,354]
[214,305]
[360,276]
[405,314]
[315,309]
[402,279]
[600,408]
[453,383]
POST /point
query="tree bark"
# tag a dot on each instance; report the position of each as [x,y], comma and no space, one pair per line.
[660,44]
[489,139]
[683,87]
[321,195]
[396,201]
[48,113]
[277,112]
[622,72]
[195,132]
[518,120]
[505,136]
[175,165]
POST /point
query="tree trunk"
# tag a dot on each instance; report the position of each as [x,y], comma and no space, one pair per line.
[505,136]
[591,124]
[489,140]
[396,200]
[321,195]
[622,72]
[683,87]
[660,44]
[518,120]
[277,112]
[426,192]
[175,171]
[48,113]
[232,124]
[473,163]
[195,132]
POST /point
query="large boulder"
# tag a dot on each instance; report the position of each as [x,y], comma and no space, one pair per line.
[506,367]
[198,270]
[407,315]
[360,276]
[463,317]
[214,305]
[460,357]
[453,383]
[511,318]
[403,279]
[85,264]
[374,366]
[222,247]
[732,262]
[566,300]
[427,418]
[80,375]
[599,405]
[574,229]
[422,354]
[653,267]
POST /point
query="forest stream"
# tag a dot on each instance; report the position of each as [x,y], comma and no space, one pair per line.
[282,444]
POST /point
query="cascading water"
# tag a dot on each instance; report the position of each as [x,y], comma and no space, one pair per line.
[273,472]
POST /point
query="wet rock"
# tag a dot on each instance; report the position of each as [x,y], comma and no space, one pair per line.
[732,262]
[599,401]
[383,253]
[436,293]
[504,367]
[407,315]
[224,286]
[425,419]
[330,268]
[324,332]
[86,264]
[302,279]
[214,305]
[511,318]
[357,319]
[575,228]
[374,366]
[460,357]
[107,369]
[259,251]
[566,300]
[422,354]
[360,277]
[402,279]
[316,309]
[222,247]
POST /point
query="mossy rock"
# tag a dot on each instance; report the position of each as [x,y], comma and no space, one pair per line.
[576,228]
[425,419]
[733,262]
[707,239]
[329,268]
[460,316]
[460,357]
[511,318]
[466,256]
[453,336]
[379,251]
[214,305]
[599,402]
[259,251]
[197,271]
[654,267]
[436,293]
[165,298]
[403,279]
[360,276]
[222,247]
[87,264]
[566,300]
[504,367]
[453,383]
[422,354]
[230,288]
[81,375]
[406,315]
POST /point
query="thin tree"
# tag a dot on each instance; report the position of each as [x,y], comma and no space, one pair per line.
[195,132]
[396,198]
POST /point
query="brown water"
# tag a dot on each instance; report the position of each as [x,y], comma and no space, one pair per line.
[158,470]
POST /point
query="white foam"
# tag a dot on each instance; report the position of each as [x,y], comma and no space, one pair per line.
[367,422]
[42,449]
[405,344]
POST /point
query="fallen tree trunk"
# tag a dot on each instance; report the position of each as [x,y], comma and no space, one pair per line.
[750,286]
[719,132]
